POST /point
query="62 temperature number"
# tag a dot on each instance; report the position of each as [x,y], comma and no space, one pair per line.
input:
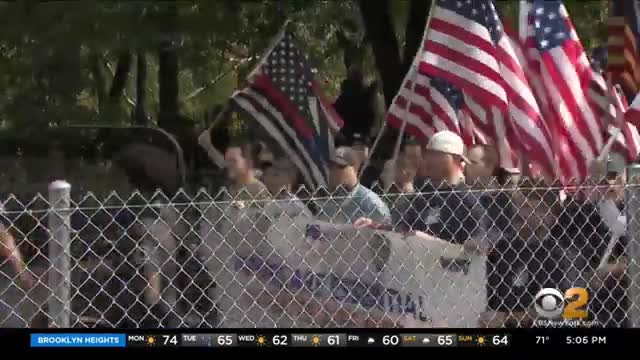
[280,340]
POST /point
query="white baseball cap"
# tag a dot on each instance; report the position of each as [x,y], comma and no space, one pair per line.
[448,142]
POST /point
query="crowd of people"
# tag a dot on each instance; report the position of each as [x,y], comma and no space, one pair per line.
[535,234]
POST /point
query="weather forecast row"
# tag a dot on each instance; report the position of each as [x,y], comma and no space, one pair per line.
[318,340]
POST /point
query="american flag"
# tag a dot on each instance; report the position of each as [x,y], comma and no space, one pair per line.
[467,46]
[490,127]
[632,115]
[559,59]
[286,101]
[627,141]
[427,105]
[470,134]
[623,56]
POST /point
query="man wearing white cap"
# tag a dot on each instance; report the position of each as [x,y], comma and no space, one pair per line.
[445,158]
[445,206]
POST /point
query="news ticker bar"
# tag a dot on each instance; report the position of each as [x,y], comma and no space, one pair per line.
[230,340]
[308,338]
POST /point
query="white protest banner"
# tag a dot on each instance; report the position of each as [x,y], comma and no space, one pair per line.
[452,282]
[306,273]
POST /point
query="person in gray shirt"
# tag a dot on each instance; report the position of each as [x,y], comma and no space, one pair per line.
[349,200]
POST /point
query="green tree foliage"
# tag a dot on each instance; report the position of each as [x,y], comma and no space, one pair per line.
[589,18]
[61,61]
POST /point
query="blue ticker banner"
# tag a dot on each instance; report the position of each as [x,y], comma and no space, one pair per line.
[78,340]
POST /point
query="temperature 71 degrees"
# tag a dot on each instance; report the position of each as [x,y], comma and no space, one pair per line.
[542,340]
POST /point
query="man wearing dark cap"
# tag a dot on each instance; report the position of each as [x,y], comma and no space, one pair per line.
[350,200]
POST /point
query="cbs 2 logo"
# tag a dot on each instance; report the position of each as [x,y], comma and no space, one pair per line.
[550,303]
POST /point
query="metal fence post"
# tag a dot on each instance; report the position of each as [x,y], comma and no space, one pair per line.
[59,254]
[633,247]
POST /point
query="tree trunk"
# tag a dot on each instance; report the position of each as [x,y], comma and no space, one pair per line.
[120,77]
[141,91]
[168,72]
[391,67]
[418,14]
[98,77]
[386,51]
[353,54]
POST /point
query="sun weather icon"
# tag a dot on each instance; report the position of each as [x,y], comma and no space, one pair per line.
[261,340]
[481,340]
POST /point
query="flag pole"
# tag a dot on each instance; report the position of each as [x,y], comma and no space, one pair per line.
[403,127]
[374,146]
[414,66]
[601,158]
[204,140]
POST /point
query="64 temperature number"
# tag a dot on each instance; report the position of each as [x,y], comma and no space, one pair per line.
[500,340]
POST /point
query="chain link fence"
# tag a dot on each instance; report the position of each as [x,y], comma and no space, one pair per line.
[532,257]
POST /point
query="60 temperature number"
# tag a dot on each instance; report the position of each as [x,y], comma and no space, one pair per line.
[390,340]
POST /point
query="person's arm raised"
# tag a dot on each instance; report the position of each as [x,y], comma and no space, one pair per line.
[9,250]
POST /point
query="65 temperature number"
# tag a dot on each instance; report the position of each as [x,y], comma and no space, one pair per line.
[225,340]
[445,340]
